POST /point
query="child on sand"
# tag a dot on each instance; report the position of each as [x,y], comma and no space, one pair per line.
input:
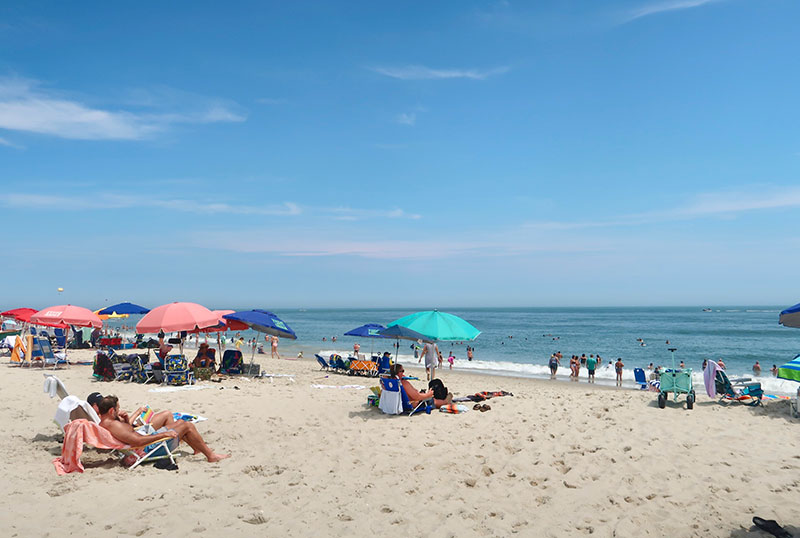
[450,359]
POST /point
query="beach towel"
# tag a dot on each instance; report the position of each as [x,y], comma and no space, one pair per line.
[184,387]
[76,434]
[356,387]
[54,387]
[709,375]
[453,408]
[68,405]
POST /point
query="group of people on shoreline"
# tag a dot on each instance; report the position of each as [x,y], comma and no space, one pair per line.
[592,364]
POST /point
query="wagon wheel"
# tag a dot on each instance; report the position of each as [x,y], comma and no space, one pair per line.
[662,400]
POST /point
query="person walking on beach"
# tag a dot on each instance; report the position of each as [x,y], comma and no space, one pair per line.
[431,355]
[618,366]
[591,365]
[554,366]
[275,347]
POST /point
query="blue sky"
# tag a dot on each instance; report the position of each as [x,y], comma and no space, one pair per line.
[421,154]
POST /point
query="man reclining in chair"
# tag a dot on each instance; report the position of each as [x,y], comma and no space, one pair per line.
[111,420]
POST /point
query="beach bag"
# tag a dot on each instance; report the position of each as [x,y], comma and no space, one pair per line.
[439,390]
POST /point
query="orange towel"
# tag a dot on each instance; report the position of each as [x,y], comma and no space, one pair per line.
[76,434]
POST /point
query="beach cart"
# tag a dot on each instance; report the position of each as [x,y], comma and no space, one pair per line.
[677,381]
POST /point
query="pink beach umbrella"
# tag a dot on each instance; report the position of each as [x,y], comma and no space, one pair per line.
[64,315]
[177,317]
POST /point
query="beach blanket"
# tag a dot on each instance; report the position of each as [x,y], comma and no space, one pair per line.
[76,434]
[481,396]
[453,408]
[356,387]
[184,387]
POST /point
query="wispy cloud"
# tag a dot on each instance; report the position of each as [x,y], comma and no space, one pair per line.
[662,7]
[105,201]
[26,106]
[349,213]
[8,143]
[271,101]
[725,204]
[421,72]
[406,118]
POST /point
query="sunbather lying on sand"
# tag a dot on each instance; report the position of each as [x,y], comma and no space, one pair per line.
[185,431]
[415,396]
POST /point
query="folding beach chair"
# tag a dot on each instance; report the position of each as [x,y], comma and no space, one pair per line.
[641,379]
[83,431]
[123,371]
[176,371]
[140,372]
[322,362]
[231,362]
[738,390]
[394,400]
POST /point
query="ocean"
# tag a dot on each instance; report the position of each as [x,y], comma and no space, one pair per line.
[519,341]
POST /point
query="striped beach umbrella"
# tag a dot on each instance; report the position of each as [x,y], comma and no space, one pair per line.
[790,370]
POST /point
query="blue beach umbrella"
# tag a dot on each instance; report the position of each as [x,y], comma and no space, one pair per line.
[439,326]
[265,322]
[790,370]
[123,308]
[790,317]
[369,330]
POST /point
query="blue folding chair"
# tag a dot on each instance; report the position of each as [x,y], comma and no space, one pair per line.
[322,362]
[61,337]
[641,379]
[391,384]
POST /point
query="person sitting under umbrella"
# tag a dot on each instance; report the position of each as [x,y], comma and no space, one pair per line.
[415,396]
[204,358]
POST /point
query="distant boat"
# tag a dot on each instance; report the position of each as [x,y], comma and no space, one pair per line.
[707,310]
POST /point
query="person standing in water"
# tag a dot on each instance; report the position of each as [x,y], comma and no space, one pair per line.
[618,366]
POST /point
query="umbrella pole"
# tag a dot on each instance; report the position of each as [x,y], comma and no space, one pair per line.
[253,355]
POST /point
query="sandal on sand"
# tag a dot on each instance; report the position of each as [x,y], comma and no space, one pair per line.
[477,407]
[771,526]
[486,407]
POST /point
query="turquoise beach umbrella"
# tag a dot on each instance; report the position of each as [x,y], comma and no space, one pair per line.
[438,326]
[790,370]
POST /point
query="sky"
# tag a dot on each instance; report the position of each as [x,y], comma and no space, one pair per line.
[400,154]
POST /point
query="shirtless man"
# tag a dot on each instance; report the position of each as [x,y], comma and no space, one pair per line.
[160,420]
[185,431]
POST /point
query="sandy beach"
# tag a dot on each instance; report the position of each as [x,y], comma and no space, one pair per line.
[556,459]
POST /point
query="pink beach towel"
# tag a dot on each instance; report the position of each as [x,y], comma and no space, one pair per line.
[76,434]
[709,375]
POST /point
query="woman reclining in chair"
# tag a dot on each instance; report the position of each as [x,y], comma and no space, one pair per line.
[415,396]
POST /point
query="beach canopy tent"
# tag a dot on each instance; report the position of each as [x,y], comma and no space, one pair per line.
[175,317]
[790,317]
[262,321]
[790,370]
[19,314]
[65,315]
[123,308]
[439,326]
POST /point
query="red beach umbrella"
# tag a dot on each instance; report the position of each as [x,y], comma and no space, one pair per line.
[64,315]
[19,314]
[222,324]
[177,317]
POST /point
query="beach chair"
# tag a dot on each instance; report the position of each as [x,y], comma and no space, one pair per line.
[61,338]
[641,379]
[394,400]
[231,362]
[738,390]
[322,362]
[123,371]
[384,365]
[205,372]
[80,432]
[177,372]
[140,372]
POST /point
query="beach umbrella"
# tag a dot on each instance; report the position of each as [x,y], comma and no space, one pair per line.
[19,314]
[790,370]
[222,326]
[439,326]
[105,317]
[790,317]
[174,317]
[123,308]
[65,315]
[262,321]
[369,330]
[398,332]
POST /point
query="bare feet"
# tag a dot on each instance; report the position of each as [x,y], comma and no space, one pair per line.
[217,457]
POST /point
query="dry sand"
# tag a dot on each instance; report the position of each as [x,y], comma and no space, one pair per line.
[557,459]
